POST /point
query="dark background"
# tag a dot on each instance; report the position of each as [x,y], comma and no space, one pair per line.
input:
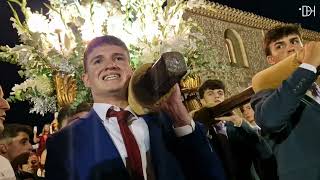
[282,10]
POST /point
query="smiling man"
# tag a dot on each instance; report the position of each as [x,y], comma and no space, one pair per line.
[112,142]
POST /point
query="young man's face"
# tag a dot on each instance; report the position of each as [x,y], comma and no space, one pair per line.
[284,47]
[108,71]
[213,97]
[18,146]
[248,112]
[4,106]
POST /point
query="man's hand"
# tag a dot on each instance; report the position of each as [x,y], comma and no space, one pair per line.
[235,119]
[312,53]
[175,108]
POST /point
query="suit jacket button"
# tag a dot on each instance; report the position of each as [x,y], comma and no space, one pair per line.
[294,90]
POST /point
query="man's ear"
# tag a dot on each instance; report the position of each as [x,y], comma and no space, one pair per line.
[203,102]
[3,148]
[85,80]
[271,60]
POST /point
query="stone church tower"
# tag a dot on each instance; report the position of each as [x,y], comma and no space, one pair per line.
[235,44]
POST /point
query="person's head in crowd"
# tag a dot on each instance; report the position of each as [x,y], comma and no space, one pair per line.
[81,111]
[4,106]
[33,164]
[46,129]
[282,41]
[63,115]
[14,141]
[212,92]
[107,70]
[248,113]
[66,115]
[54,124]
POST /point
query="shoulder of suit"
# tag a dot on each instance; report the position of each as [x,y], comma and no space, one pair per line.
[260,96]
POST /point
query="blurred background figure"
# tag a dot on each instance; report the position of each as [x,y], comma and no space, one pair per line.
[15,146]
[66,115]
[42,138]
[4,106]
[54,126]
[31,169]
[6,171]
[248,115]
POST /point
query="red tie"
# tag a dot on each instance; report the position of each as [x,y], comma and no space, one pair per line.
[134,158]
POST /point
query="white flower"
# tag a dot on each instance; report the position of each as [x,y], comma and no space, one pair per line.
[56,23]
[93,25]
[43,85]
[124,2]
[65,66]
[29,83]
[43,105]
[57,40]
[37,22]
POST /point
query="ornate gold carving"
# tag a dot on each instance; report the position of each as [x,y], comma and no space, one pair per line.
[190,84]
[66,88]
[225,13]
[192,104]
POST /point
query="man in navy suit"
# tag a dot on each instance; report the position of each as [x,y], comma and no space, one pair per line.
[238,145]
[290,114]
[155,146]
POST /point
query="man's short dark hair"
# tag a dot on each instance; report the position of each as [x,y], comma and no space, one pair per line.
[12,130]
[67,112]
[99,41]
[211,85]
[64,113]
[83,107]
[277,33]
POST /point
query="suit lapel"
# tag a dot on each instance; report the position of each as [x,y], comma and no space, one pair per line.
[309,101]
[102,137]
[99,152]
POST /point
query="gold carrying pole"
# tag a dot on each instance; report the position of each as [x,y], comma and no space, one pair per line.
[272,77]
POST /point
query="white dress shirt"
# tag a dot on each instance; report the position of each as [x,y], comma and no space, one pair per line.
[6,171]
[313,69]
[220,128]
[139,129]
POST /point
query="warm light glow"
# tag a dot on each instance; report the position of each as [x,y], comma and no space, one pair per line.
[55,42]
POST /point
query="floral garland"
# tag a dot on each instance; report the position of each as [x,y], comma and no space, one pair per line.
[56,42]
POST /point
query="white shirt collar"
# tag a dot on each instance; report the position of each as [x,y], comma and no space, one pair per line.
[102,108]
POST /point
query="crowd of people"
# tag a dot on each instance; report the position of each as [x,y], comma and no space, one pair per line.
[274,137]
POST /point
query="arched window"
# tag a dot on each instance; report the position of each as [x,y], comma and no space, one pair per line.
[235,48]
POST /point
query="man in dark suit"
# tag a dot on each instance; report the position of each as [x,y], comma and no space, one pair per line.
[112,142]
[238,145]
[289,114]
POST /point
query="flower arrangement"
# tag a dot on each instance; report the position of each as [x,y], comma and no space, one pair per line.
[55,42]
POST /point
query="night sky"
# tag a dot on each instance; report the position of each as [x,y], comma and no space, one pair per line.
[282,10]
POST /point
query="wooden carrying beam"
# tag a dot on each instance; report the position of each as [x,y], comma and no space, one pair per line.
[152,83]
[206,115]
